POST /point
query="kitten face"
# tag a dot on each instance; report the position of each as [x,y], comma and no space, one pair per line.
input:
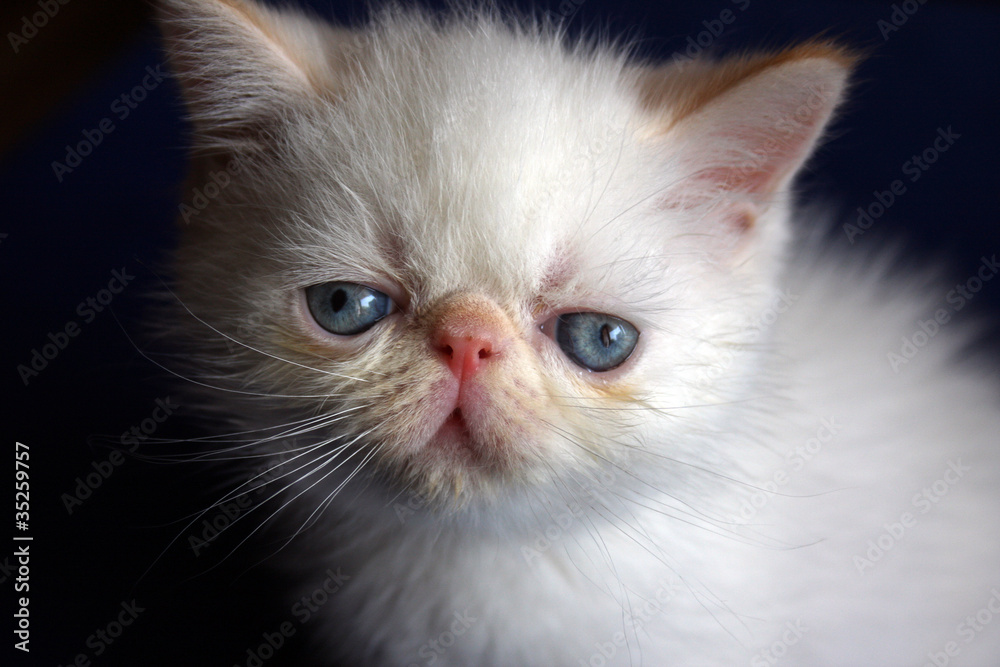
[449,202]
[456,259]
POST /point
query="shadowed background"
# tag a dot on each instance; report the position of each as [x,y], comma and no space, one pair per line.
[63,234]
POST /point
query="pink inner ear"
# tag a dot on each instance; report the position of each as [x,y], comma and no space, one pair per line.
[757,171]
[764,155]
[747,127]
[735,166]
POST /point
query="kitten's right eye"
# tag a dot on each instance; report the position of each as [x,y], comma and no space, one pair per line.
[347,309]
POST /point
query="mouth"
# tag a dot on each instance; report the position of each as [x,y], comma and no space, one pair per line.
[466,453]
[453,434]
[455,418]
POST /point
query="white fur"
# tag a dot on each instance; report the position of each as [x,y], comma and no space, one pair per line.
[473,158]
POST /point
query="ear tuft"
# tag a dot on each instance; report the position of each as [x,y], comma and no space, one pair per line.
[743,126]
[682,89]
[242,66]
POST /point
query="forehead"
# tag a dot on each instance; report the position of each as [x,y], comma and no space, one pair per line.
[482,164]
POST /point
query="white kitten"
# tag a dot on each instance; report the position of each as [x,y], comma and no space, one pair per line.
[569,404]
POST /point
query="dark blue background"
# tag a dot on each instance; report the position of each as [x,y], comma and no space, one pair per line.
[64,239]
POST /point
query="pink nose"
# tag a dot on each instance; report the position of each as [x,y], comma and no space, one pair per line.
[466,352]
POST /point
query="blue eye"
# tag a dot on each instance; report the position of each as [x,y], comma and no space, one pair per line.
[346,309]
[595,341]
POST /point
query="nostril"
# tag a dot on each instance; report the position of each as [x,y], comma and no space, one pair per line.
[464,353]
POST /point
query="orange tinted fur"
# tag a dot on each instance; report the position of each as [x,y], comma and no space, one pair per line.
[679,91]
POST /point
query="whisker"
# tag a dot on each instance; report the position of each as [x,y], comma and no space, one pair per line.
[320,423]
[329,498]
[305,450]
[675,513]
[202,384]
[329,459]
[250,347]
[296,428]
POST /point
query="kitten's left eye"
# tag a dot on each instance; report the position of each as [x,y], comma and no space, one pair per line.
[347,309]
[595,341]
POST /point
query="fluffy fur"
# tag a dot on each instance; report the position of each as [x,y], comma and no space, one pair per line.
[705,503]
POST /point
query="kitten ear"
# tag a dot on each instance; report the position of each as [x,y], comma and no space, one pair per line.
[741,128]
[242,67]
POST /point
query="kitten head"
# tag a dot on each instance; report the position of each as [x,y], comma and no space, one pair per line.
[479,257]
